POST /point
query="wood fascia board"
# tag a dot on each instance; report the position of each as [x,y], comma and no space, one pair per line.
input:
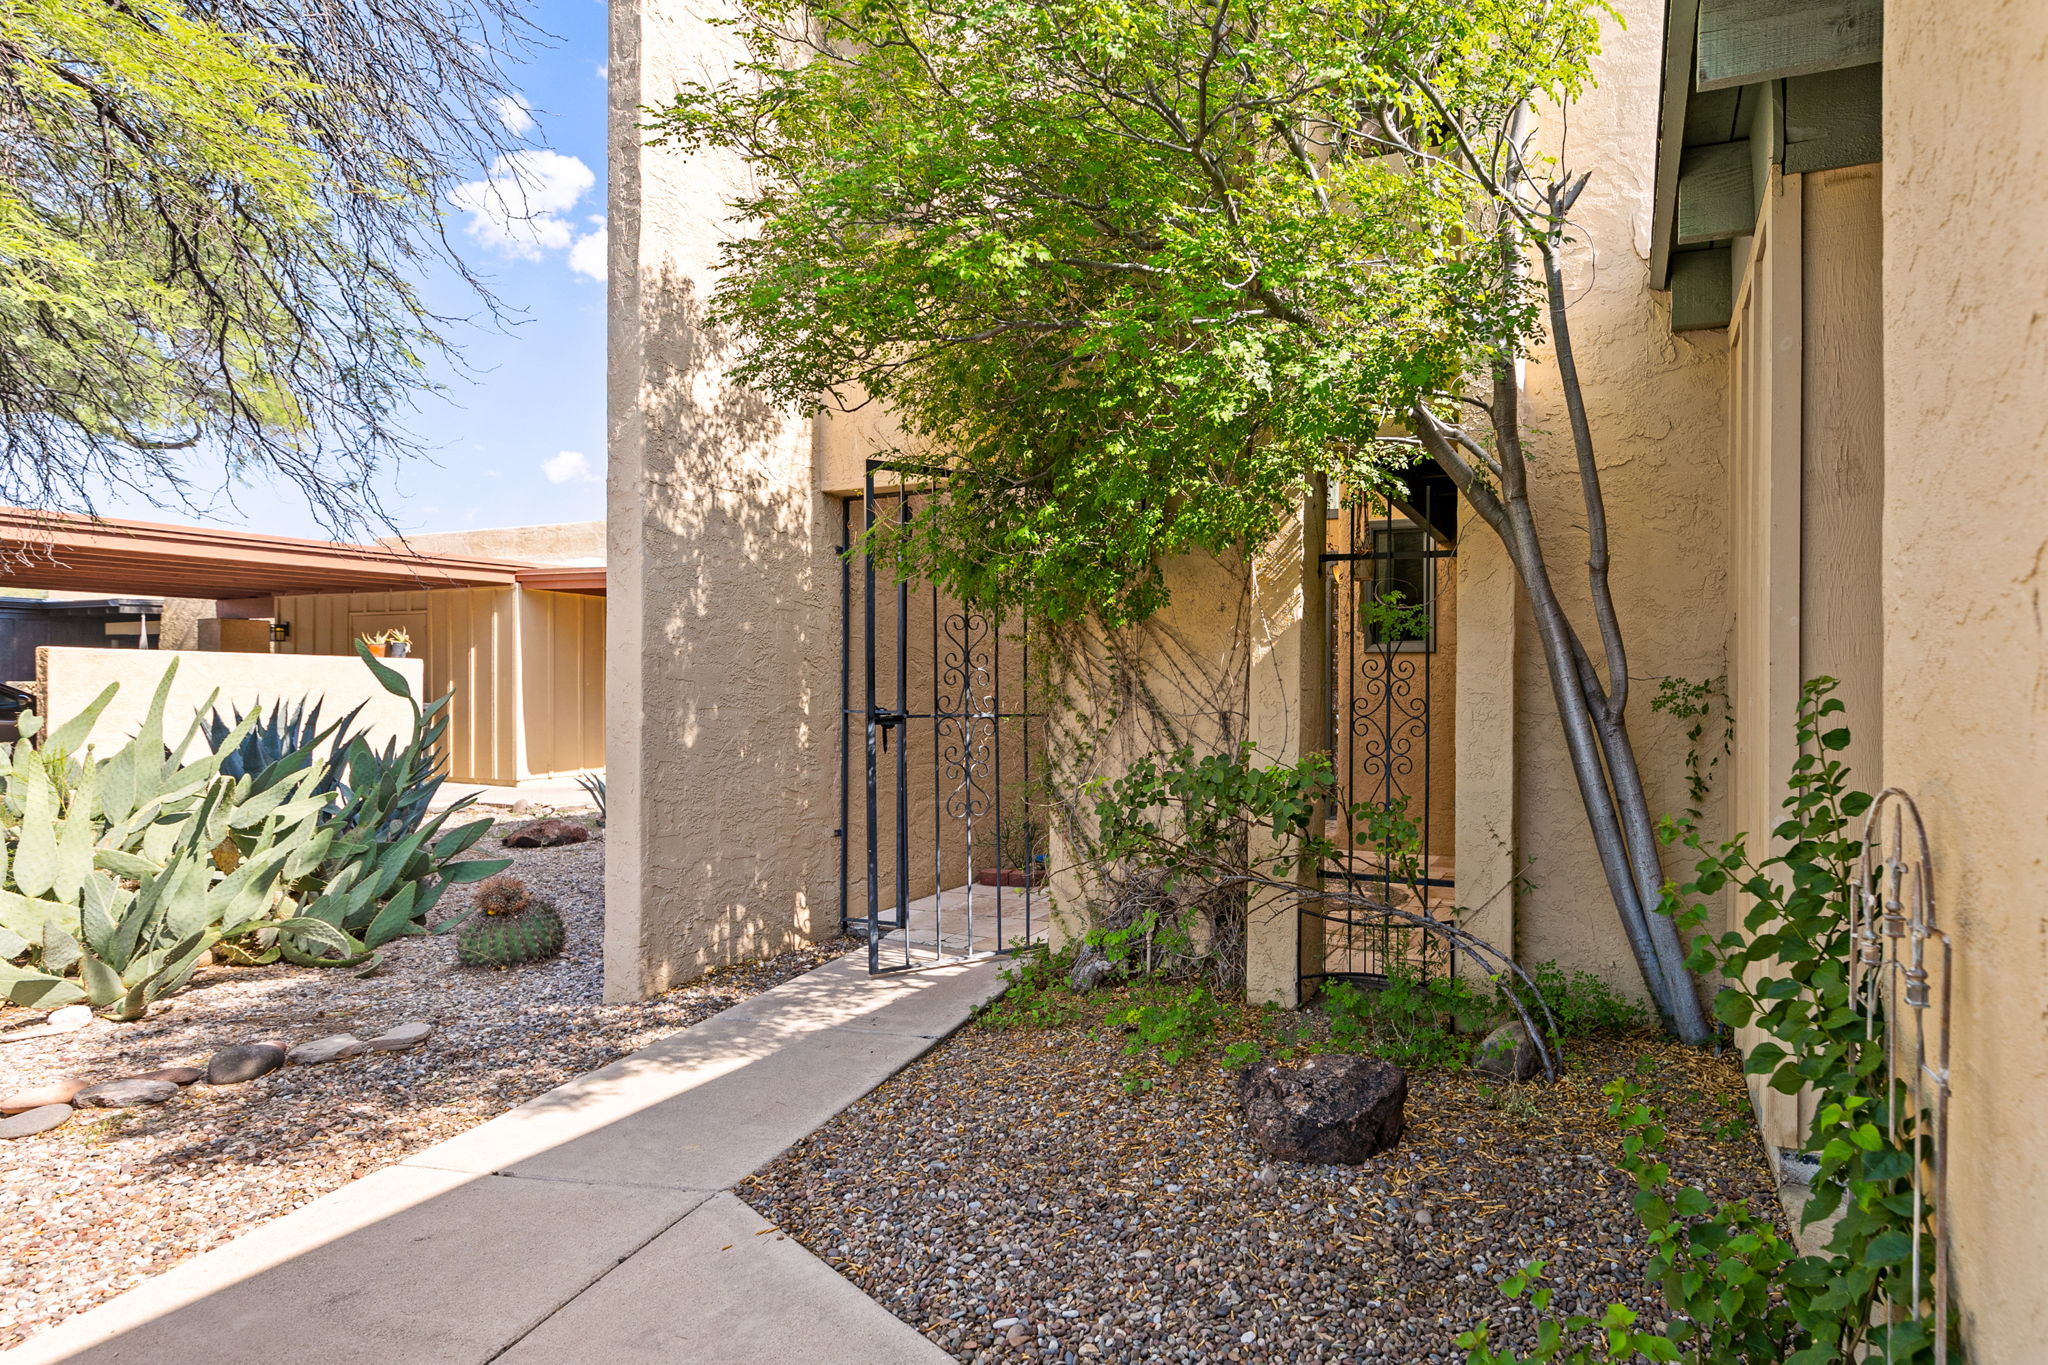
[1716,193]
[46,549]
[1681,18]
[1742,42]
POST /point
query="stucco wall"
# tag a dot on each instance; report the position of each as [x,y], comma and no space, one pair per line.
[561,542]
[1655,403]
[70,678]
[1220,664]
[722,678]
[1966,553]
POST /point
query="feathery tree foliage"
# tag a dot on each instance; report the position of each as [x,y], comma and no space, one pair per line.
[1139,272]
[212,215]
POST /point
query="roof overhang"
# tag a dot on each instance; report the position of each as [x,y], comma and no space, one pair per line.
[60,550]
[1751,84]
[583,578]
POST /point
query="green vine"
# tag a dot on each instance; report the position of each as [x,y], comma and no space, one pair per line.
[1738,1290]
[1695,701]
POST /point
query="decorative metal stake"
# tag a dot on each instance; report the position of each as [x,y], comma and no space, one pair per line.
[1896,936]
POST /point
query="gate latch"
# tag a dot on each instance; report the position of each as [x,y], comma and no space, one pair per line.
[886,720]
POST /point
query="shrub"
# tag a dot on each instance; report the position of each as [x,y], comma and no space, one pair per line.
[121,871]
[117,874]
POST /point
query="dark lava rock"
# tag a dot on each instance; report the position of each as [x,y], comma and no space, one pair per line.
[1508,1053]
[546,834]
[243,1062]
[1331,1108]
[122,1094]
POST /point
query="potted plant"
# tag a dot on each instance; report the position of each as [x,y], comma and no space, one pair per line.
[375,644]
[397,644]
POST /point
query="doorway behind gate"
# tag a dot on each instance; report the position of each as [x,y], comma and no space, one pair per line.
[940,856]
[1390,590]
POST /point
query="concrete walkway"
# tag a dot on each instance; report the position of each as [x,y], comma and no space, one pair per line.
[594,1223]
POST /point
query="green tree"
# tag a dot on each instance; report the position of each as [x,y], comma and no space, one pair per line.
[212,217]
[1146,271]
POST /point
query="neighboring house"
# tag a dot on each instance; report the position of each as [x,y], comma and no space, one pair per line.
[518,638]
[1812,315]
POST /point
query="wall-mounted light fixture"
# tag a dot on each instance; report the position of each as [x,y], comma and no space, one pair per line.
[280,632]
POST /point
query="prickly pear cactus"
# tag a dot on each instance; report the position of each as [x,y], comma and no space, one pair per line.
[512,927]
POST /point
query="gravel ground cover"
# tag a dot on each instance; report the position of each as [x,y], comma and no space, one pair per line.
[1007,1198]
[115,1196]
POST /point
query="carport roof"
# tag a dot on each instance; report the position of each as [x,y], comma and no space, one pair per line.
[59,550]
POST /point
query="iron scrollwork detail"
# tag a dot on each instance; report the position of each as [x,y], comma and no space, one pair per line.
[966,714]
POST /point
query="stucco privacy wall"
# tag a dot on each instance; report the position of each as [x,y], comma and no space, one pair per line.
[71,677]
[559,542]
[1966,553]
[722,678]
[1655,404]
[1220,664]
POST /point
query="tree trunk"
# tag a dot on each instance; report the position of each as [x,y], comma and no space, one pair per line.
[1602,756]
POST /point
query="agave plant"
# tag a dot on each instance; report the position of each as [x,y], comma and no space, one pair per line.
[117,874]
[271,738]
[388,863]
[593,787]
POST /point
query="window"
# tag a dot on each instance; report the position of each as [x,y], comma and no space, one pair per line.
[1398,601]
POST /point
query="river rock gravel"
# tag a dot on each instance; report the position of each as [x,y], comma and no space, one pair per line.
[113,1196]
[1008,1199]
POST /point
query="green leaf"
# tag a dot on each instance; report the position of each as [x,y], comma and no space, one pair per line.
[1733,1008]
[102,983]
[36,990]
[60,950]
[390,679]
[69,737]
[473,870]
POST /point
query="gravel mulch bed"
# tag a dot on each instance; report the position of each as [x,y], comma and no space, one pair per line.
[1006,1198]
[115,1196]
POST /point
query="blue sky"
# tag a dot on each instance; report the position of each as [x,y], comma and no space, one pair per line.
[519,440]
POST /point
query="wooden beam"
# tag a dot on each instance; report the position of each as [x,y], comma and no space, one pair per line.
[1702,289]
[1745,41]
[1713,117]
[1716,196]
[1834,118]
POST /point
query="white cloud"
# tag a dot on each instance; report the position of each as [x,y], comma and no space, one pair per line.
[604,71]
[515,113]
[588,255]
[571,466]
[517,209]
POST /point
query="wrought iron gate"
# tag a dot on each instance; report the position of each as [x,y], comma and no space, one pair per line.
[1385,582]
[939,857]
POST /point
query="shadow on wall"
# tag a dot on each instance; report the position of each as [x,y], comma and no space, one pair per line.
[734,589]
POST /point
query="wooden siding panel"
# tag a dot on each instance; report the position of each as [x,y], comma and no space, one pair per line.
[1766,343]
[1843,439]
[562,682]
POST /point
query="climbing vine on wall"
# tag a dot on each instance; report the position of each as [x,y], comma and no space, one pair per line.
[1739,1291]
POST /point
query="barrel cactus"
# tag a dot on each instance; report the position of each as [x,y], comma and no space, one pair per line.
[510,927]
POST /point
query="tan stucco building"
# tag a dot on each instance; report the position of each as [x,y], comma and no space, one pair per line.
[1810,287]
